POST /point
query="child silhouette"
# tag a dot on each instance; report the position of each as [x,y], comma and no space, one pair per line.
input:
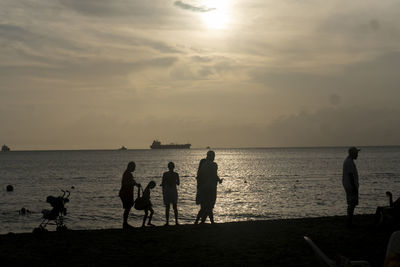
[147,205]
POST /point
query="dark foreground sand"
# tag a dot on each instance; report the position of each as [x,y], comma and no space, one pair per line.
[260,243]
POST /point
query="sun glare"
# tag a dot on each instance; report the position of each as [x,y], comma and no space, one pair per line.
[217,17]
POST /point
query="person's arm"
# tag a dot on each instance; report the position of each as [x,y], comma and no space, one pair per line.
[136,184]
[177,179]
[216,173]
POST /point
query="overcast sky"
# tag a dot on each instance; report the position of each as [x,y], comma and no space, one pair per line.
[99,74]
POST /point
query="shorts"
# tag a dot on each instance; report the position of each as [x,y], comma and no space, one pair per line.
[170,197]
[352,199]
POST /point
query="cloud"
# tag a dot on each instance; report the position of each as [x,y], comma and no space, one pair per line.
[334,99]
[123,58]
[13,32]
[193,7]
[116,8]
[373,83]
[336,127]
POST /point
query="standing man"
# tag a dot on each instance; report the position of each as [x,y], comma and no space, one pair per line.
[126,192]
[350,183]
[207,187]
[169,182]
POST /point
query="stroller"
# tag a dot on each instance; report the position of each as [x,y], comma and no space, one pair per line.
[56,214]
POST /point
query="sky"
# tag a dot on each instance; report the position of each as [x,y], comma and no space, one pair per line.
[99,74]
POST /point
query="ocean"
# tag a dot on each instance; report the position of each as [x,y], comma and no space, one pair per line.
[259,184]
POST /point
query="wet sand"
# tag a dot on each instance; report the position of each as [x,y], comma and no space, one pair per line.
[260,243]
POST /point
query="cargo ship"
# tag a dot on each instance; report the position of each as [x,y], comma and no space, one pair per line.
[157,145]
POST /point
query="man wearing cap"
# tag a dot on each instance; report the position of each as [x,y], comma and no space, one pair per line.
[350,183]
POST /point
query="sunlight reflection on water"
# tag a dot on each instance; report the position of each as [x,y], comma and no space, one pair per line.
[258,183]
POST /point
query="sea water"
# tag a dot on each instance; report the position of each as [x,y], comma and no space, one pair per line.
[259,184]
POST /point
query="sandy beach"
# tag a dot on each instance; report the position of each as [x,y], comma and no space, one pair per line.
[266,243]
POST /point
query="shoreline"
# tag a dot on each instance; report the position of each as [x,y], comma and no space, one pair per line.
[260,243]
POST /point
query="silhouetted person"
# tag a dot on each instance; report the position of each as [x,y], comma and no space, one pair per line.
[126,192]
[197,180]
[207,187]
[198,193]
[389,212]
[350,183]
[24,211]
[147,205]
[169,182]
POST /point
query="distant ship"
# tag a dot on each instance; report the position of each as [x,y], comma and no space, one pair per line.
[123,148]
[157,145]
[5,148]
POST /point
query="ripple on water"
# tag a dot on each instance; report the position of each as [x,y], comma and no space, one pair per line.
[258,184]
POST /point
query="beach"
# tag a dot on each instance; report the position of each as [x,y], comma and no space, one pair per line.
[251,243]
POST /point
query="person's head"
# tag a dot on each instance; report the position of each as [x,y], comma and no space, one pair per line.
[210,155]
[388,194]
[131,166]
[353,152]
[151,184]
[171,166]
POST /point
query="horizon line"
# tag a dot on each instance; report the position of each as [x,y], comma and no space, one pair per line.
[203,148]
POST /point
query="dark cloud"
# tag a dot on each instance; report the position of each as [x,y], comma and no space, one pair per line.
[10,32]
[137,41]
[99,7]
[202,59]
[336,127]
[375,76]
[28,44]
[374,24]
[105,8]
[334,99]
[205,72]
[99,74]
[193,7]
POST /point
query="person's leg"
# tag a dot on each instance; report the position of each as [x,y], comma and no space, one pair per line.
[125,218]
[151,215]
[350,213]
[211,215]
[167,213]
[205,213]
[176,213]
[197,217]
[199,214]
[146,212]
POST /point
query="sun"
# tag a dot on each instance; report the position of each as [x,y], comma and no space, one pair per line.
[218,15]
